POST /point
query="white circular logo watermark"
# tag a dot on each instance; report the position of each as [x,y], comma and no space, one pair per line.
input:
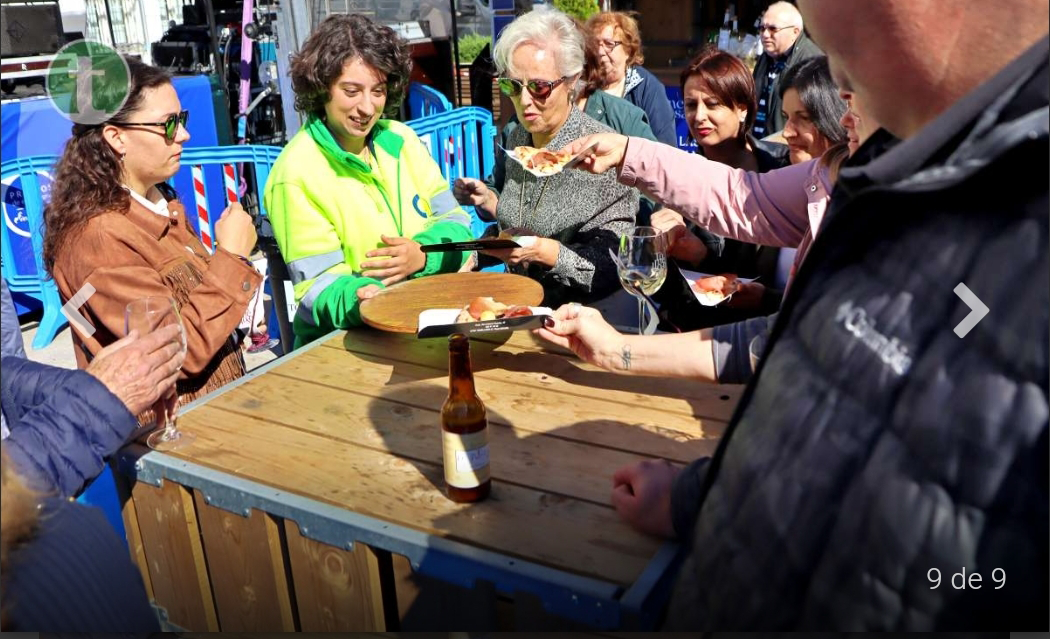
[88,81]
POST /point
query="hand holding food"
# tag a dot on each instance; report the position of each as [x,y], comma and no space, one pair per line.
[608,151]
[715,289]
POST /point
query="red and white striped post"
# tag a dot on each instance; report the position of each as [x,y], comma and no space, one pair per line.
[230,182]
[203,222]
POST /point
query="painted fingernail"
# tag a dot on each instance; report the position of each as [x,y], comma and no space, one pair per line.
[548,322]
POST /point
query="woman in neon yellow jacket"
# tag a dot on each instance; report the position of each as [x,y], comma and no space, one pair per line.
[353,196]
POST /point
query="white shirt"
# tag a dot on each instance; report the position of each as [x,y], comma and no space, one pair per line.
[160,207]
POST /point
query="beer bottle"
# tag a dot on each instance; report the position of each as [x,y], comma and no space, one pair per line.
[464,429]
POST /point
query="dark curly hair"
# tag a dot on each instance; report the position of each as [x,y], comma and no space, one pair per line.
[725,77]
[88,178]
[337,40]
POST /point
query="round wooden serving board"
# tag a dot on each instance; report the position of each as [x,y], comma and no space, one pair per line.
[397,308]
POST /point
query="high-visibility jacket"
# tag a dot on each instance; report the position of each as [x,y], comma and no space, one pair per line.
[328,208]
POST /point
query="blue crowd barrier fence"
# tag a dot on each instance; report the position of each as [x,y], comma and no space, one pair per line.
[26,188]
[462,142]
[424,101]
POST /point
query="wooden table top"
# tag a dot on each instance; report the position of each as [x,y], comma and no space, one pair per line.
[354,422]
[397,308]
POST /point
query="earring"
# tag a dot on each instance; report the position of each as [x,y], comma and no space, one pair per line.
[123,154]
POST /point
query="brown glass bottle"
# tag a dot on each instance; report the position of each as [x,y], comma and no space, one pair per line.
[464,429]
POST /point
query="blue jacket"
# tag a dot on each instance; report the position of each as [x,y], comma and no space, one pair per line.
[74,575]
[873,444]
[645,91]
[11,340]
[63,424]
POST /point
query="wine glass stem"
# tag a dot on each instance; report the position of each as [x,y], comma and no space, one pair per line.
[641,316]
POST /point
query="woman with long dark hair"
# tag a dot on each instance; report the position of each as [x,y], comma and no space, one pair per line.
[114,224]
[812,110]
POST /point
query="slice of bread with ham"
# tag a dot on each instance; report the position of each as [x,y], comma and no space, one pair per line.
[487,308]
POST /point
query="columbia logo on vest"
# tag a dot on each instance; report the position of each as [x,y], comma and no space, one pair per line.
[860,325]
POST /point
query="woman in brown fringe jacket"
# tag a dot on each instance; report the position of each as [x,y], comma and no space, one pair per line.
[113,223]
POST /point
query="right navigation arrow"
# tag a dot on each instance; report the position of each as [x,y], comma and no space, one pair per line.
[977,310]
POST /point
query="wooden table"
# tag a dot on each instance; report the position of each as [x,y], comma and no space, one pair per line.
[312,497]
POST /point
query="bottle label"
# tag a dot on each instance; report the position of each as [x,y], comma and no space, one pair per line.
[466,458]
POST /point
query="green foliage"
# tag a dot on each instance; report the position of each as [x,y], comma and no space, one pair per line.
[579,9]
[470,46]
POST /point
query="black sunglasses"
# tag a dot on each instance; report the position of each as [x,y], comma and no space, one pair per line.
[538,89]
[171,124]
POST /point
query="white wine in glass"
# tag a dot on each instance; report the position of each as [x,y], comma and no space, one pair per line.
[147,315]
[643,265]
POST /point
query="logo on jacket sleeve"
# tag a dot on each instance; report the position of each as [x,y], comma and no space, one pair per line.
[862,327]
[418,208]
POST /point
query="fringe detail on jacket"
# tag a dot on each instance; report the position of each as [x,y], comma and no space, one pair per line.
[227,364]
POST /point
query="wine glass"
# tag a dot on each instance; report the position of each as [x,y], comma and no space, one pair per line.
[147,315]
[642,265]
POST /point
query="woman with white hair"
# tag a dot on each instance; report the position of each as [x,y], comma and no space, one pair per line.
[577,217]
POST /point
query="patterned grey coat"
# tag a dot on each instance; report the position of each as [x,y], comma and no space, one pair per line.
[586,213]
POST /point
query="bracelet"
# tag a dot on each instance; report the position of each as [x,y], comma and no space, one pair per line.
[240,257]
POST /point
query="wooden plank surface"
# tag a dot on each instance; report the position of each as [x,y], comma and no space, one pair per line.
[354,423]
[173,550]
[397,308]
[246,565]
[335,589]
[517,358]
[405,421]
[131,528]
[517,520]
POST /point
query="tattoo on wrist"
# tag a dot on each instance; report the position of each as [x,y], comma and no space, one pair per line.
[625,357]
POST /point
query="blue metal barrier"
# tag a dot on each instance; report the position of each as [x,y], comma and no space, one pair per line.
[101,492]
[462,142]
[230,162]
[424,101]
[222,160]
[26,188]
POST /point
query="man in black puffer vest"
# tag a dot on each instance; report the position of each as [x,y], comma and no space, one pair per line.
[875,449]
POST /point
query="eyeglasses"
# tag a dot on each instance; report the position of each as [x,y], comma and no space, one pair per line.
[609,45]
[772,29]
[171,124]
[538,89]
